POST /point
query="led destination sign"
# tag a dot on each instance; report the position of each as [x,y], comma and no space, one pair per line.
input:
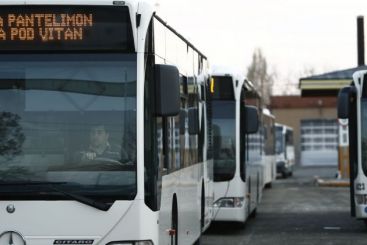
[65,28]
[46,27]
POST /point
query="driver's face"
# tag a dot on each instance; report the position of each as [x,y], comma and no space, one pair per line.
[98,136]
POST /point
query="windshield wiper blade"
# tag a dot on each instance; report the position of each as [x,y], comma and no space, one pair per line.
[2,182]
[85,200]
[82,199]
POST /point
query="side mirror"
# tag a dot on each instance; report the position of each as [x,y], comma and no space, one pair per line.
[252,120]
[343,102]
[167,89]
[193,121]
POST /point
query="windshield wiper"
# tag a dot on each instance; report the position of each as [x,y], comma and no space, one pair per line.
[85,200]
[82,199]
[2,182]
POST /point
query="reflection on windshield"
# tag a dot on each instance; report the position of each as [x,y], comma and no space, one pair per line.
[69,118]
[224,140]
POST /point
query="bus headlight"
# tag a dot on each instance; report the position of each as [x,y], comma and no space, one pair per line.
[361,199]
[229,202]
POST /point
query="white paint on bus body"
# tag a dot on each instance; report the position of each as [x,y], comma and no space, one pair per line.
[248,192]
[42,222]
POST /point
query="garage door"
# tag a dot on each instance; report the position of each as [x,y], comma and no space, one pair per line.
[319,142]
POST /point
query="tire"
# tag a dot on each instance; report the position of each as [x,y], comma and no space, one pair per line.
[253,214]
[365,221]
[174,221]
[241,225]
[202,213]
[258,188]
[202,209]
[269,185]
[249,199]
[198,241]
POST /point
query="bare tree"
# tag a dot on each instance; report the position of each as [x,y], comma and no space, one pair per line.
[289,83]
[258,73]
[308,71]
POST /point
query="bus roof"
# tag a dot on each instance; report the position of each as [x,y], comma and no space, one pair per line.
[267,112]
[283,126]
[180,36]
[236,74]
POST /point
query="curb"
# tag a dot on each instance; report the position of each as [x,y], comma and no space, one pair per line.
[331,182]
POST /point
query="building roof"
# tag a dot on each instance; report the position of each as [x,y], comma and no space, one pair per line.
[337,75]
[328,83]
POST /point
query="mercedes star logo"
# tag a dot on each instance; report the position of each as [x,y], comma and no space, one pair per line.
[12,238]
[10,208]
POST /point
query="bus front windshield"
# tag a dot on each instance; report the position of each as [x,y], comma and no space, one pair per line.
[68,119]
[279,142]
[364,134]
[224,132]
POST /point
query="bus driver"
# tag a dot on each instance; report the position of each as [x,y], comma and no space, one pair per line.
[100,148]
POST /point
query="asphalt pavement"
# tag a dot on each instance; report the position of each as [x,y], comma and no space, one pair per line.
[296,211]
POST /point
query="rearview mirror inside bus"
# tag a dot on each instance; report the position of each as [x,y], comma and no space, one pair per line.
[343,103]
[167,88]
[252,120]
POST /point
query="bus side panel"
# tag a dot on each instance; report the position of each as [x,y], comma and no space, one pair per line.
[209,194]
[268,163]
[189,203]
[353,153]
[183,183]
[255,171]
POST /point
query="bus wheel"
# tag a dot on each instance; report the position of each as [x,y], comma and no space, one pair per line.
[174,222]
[254,213]
[198,241]
[202,215]
[365,221]
[202,209]
[241,225]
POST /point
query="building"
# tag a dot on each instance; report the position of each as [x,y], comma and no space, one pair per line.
[320,139]
[314,121]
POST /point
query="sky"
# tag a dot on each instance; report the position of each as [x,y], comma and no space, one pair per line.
[294,35]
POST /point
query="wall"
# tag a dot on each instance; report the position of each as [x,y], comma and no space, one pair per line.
[290,110]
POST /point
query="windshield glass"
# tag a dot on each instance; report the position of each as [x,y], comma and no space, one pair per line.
[224,140]
[279,143]
[364,134]
[68,118]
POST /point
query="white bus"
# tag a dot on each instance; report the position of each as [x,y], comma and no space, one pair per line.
[105,137]
[268,143]
[284,149]
[352,105]
[236,179]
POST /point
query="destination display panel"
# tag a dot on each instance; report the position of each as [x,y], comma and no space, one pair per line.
[50,27]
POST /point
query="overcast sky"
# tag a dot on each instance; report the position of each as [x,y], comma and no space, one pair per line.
[294,35]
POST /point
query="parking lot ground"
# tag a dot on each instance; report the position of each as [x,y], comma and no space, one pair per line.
[296,211]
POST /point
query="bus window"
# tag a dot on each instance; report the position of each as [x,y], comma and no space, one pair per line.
[224,140]
[279,143]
